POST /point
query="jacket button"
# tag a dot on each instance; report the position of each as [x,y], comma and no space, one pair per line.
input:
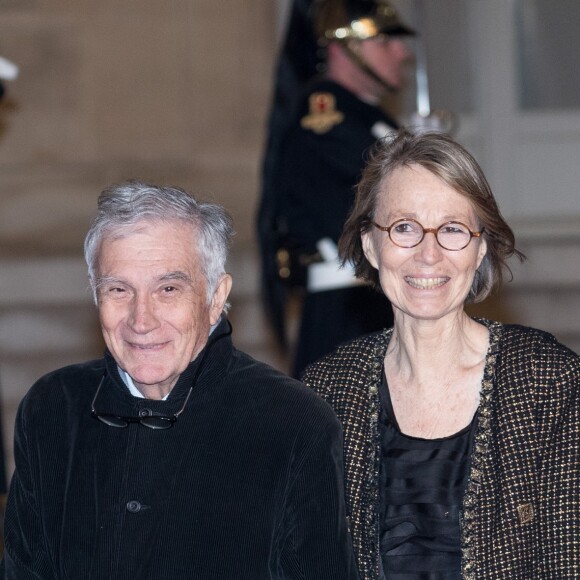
[133,506]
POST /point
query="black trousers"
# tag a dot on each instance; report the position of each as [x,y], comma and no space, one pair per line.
[332,317]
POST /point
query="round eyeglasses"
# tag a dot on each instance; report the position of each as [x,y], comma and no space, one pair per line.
[146,419]
[408,233]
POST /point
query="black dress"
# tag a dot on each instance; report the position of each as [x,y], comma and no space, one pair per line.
[422,483]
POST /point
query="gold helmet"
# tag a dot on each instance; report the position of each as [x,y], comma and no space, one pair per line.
[345,20]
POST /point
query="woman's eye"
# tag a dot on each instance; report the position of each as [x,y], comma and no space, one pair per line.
[404,227]
[453,229]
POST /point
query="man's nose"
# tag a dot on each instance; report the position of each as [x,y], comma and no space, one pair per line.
[406,51]
[143,316]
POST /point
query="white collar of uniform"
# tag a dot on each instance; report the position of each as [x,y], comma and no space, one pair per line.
[380,130]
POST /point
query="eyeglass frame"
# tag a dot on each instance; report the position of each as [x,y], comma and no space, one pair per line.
[169,419]
[433,231]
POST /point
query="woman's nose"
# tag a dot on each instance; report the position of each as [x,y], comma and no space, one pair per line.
[429,248]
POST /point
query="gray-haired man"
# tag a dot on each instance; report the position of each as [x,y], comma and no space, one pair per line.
[176,455]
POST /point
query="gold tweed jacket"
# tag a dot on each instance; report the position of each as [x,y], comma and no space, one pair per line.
[521,509]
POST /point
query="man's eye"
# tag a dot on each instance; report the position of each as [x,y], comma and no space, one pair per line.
[113,292]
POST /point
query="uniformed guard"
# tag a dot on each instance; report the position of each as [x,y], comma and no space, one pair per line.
[297,65]
[318,164]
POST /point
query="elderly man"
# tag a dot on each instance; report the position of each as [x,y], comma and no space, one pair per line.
[176,455]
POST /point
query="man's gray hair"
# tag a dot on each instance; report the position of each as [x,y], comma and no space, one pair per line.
[123,205]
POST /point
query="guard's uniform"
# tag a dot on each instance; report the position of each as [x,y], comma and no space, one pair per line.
[321,161]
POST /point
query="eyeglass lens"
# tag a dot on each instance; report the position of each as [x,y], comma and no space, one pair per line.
[452,235]
[150,421]
[153,421]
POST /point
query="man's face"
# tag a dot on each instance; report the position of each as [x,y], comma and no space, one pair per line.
[388,58]
[152,302]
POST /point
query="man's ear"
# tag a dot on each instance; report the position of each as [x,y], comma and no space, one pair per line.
[220,297]
[369,249]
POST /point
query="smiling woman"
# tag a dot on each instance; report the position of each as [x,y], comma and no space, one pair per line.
[460,433]
[421,277]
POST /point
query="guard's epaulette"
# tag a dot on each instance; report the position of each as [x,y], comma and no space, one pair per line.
[322,115]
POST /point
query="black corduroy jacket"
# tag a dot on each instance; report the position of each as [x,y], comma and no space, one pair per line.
[246,485]
[521,510]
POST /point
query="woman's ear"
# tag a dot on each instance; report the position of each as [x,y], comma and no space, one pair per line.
[369,248]
[481,251]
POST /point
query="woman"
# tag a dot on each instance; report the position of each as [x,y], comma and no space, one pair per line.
[461,435]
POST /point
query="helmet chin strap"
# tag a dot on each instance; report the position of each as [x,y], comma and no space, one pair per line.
[352,52]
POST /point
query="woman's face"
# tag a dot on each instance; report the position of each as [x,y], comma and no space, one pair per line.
[425,282]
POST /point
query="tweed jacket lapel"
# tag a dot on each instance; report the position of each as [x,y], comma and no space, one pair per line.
[349,380]
[522,501]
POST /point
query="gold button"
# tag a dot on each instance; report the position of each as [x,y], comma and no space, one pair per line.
[525,513]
